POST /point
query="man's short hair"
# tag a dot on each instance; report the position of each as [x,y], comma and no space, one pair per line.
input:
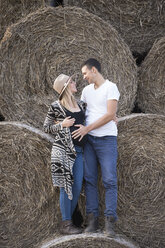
[92,62]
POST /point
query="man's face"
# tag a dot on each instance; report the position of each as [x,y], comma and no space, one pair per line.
[88,74]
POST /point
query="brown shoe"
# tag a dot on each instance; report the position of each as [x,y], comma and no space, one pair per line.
[109,226]
[92,223]
[68,228]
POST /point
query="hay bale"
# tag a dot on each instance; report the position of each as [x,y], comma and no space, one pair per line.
[88,240]
[138,22]
[141,180]
[53,41]
[29,205]
[151,85]
[11,11]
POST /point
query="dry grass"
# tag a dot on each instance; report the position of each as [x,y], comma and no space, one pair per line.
[90,240]
[13,10]
[151,85]
[138,22]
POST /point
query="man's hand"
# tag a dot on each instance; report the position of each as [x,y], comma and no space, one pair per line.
[115,120]
[79,132]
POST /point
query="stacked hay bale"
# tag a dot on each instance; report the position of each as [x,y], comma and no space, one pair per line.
[141,180]
[138,22]
[53,41]
[11,11]
[141,172]
[29,205]
[151,86]
[89,240]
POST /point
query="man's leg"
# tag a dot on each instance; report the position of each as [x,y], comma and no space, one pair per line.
[107,154]
[90,176]
[78,178]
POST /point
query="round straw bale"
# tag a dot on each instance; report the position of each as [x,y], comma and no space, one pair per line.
[141,180]
[151,85]
[29,205]
[98,240]
[13,10]
[138,22]
[53,41]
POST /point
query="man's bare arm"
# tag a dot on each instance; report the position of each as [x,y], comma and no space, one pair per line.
[109,116]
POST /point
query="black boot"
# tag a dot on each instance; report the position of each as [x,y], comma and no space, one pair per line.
[68,228]
[77,218]
[109,226]
[92,223]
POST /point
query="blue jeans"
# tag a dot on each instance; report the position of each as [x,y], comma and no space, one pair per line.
[104,151]
[67,206]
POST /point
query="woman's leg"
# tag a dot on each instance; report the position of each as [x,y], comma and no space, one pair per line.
[68,206]
[66,226]
[65,205]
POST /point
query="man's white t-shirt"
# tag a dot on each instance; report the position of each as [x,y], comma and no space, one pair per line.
[96,100]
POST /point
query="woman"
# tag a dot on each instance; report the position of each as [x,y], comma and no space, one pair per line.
[66,156]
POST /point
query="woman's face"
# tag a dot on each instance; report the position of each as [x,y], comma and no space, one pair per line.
[72,86]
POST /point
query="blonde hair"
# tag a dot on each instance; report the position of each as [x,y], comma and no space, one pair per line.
[67,98]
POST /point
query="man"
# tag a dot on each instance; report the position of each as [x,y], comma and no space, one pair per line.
[101,97]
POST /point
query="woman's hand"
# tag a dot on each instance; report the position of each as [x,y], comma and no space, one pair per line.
[68,122]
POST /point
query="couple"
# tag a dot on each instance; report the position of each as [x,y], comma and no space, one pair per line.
[97,140]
